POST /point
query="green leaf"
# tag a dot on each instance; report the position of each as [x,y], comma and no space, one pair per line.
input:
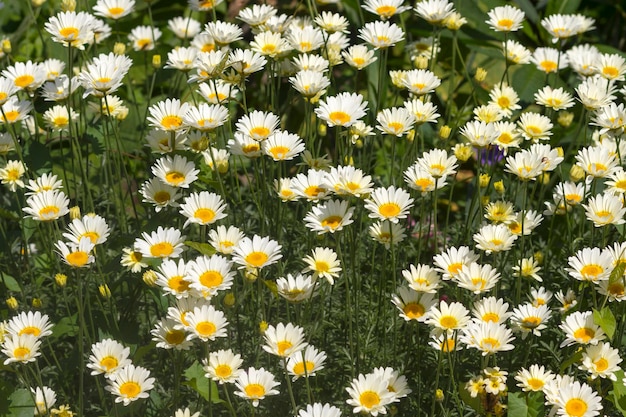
[618,395]
[10,282]
[201,384]
[526,80]
[203,248]
[22,404]
[525,405]
[562,6]
[576,357]
[617,273]
[606,320]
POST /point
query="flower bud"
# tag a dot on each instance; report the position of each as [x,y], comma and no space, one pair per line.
[61,280]
[119,48]
[75,213]
[36,303]
[68,5]
[150,278]
[483,180]
[480,75]
[565,118]
[12,303]
[229,299]
[444,132]
[104,290]
[576,173]
[156,61]
[499,187]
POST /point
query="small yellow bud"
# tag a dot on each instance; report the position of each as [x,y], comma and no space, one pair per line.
[483,180]
[119,48]
[12,303]
[480,75]
[37,303]
[251,274]
[61,280]
[576,173]
[156,61]
[222,167]
[74,213]
[322,129]
[150,278]
[229,299]
[444,132]
[439,395]
[484,200]
[538,257]
[565,118]
[37,3]
[410,136]
[544,178]
[105,291]
[6,46]
[358,143]
[348,160]
[263,326]
[68,5]
[420,62]
[462,152]
[202,144]
[499,187]
[121,113]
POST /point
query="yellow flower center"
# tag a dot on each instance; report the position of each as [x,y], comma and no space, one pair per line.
[175,337]
[77,259]
[358,61]
[591,270]
[535,383]
[369,399]
[314,190]
[130,389]
[605,216]
[143,43]
[506,24]
[305,46]
[531,322]
[413,310]
[447,345]
[251,148]
[115,11]
[49,212]
[548,66]
[299,369]
[279,152]
[576,407]
[504,102]
[395,127]
[35,331]
[389,209]
[21,352]
[424,184]
[616,289]
[601,365]
[332,222]
[3,96]
[584,334]
[11,115]
[255,391]
[13,174]
[109,362]
[171,122]
[60,121]
[382,40]
[259,132]
[256,259]
[339,117]
[385,10]
[205,215]
[269,48]
[174,177]
[490,343]
[178,284]
[455,268]
[283,346]
[211,279]
[205,328]
[505,138]
[448,322]
[161,249]
[24,80]
[223,371]
[93,236]
[610,72]
[491,317]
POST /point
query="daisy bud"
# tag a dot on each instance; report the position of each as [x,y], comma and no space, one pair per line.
[263,326]
[321,129]
[484,200]
[251,274]
[12,303]
[480,75]
[420,62]
[37,3]
[105,291]
[222,167]
[121,113]
[156,61]
[75,213]
[119,48]
[439,395]
[559,151]
[37,303]
[444,133]
[499,187]
[393,410]
[229,299]
[68,5]
[410,136]
[6,46]
[462,152]
[565,118]
[576,173]
[61,280]
[150,278]
[358,143]
[483,180]
[538,256]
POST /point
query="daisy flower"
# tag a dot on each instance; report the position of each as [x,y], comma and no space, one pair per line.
[477,278]
[203,208]
[494,238]
[305,39]
[438,163]
[479,134]
[561,26]
[305,363]
[104,74]
[590,264]
[47,205]
[420,81]
[583,58]
[92,226]
[491,309]
[14,110]
[223,366]
[320,410]
[525,164]
[76,255]
[296,289]
[171,277]
[311,62]
[387,233]
[396,121]
[216,159]
[601,360]
[258,125]
[130,384]
[548,60]
[505,19]
[108,357]
[270,44]
[114,9]
[255,385]
[421,179]
[342,110]
[450,262]
[413,305]
[579,328]
[323,262]
[506,98]
[206,323]
[309,83]
[311,185]
[348,180]
[534,378]
[516,53]
[225,239]
[445,342]
[595,92]
[208,275]
[556,99]
[71,29]
[331,216]
[21,348]
[25,75]
[11,175]
[168,335]
[30,323]
[434,11]
[527,268]
[488,337]
[359,56]
[396,383]
[143,38]
[45,398]
[530,319]
[257,252]
[161,195]
[168,115]
[176,172]
[244,145]
[453,316]
[605,209]
[245,61]
[381,34]
[612,67]
[223,33]
[423,112]
[385,8]
[184,27]
[422,278]
[369,394]
[58,117]
[7,89]
[389,204]
[574,399]
[205,117]
[283,146]
[163,243]
[535,126]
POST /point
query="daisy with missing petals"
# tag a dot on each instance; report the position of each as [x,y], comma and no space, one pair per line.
[206,323]
[208,275]
[605,209]
[20,348]
[478,278]
[331,216]
[381,34]
[505,19]
[45,398]
[358,56]
[533,378]
[574,399]
[601,360]
[556,99]
[92,226]
[422,278]
[114,9]
[257,252]
[225,239]
[369,394]
[413,305]
[491,309]
[171,278]
[488,337]
[296,289]
[396,121]
[164,243]
[305,363]
[107,357]
[447,317]
[596,161]
[343,109]
[387,233]
[434,11]
[168,335]
[143,38]
[494,238]
[548,60]
[161,195]
[389,203]
[310,185]
[255,385]
[590,264]
[320,410]
[176,172]
[283,146]
[223,366]
[323,262]
[76,255]
[530,319]
[258,125]
[12,173]
[203,208]
[168,115]
[130,384]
